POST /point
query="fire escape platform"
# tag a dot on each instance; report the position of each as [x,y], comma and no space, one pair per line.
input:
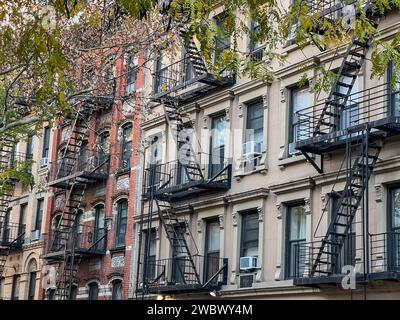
[193,89]
[181,288]
[89,178]
[336,140]
[59,255]
[337,279]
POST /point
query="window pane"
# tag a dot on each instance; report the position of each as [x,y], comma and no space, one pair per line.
[297,223]
[300,100]
[249,243]
[255,122]
[117,290]
[395,206]
[93,291]
[213,236]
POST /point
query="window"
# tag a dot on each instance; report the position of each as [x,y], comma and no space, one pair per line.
[159,78]
[74,293]
[300,99]
[46,143]
[154,176]
[150,246]
[108,73]
[51,294]
[347,254]
[223,40]
[122,217]
[256,53]
[296,235]
[104,149]
[393,79]
[83,156]
[131,74]
[394,228]
[126,146]
[93,291]
[39,215]
[249,235]
[99,230]
[212,250]
[29,147]
[254,129]
[32,285]
[15,287]
[117,290]
[6,232]
[217,145]
[349,115]
[1,288]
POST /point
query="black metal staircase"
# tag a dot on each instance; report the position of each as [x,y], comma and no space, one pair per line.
[175,230]
[342,86]
[357,177]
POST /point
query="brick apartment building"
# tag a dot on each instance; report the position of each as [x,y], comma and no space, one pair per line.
[93,183]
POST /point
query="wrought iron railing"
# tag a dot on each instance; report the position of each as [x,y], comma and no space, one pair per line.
[85,239]
[175,76]
[384,256]
[176,174]
[12,234]
[185,270]
[93,163]
[385,252]
[362,107]
[307,253]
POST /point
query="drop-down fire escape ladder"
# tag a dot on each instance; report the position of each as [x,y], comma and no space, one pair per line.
[175,229]
[357,177]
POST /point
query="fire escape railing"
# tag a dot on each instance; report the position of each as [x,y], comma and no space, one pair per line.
[97,162]
[363,107]
[87,239]
[169,272]
[173,174]
[12,234]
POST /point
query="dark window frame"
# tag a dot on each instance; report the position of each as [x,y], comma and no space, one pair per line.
[247,215]
[46,143]
[209,267]
[126,146]
[39,214]
[93,291]
[121,221]
[288,242]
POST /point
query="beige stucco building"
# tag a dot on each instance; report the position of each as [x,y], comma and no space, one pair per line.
[22,239]
[266,203]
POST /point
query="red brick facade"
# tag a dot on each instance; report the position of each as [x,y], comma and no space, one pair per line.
[120,184]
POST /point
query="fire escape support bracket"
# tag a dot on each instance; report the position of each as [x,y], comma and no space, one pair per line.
[320,167]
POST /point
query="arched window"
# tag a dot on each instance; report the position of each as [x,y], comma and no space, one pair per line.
[122,217]
[32,271]
[126,146]
[93,291]
[116,289]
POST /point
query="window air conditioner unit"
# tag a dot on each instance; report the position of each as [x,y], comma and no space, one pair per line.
[35,235]
[248,263]
[252,149]
[44,162]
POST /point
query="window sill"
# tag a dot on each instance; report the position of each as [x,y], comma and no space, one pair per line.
[283,163]
[121,172]
[117,250]
[259,169]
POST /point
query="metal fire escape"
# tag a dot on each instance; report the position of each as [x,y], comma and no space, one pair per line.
[9,238]
[322,129]
[164,184]
[72,175]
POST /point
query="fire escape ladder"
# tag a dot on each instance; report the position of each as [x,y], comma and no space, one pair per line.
[192,52]
[175,230]
[65,235]
[342,87]
[6,152]
[188,160]
[357,177]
